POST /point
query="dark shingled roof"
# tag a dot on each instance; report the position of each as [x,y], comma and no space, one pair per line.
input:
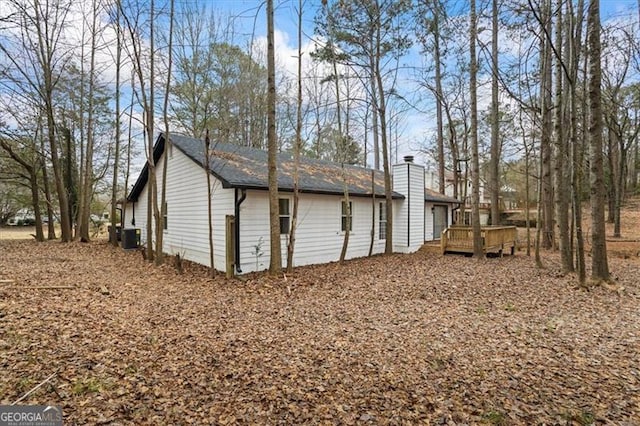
[436,197]
[243,167]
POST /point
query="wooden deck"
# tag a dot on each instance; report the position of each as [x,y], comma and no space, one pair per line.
[495,239]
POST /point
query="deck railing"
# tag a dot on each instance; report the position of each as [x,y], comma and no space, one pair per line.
[495,239]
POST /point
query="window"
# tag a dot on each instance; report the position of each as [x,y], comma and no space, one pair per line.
[285,216]
[164,217]
[382,234]
[343,227]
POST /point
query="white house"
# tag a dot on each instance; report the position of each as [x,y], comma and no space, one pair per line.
[240,206]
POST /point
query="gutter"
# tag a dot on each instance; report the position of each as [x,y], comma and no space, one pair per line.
[236,212]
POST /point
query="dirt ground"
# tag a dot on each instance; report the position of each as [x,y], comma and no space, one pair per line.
[405,339]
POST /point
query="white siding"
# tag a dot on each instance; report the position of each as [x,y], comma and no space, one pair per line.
[417,212]
[401,213]
[428,219]
[187,209]
[408,232]
[318,237]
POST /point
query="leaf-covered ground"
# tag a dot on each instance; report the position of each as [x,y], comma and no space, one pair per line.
[404,339]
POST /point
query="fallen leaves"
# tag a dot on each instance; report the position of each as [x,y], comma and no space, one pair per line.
[402,339]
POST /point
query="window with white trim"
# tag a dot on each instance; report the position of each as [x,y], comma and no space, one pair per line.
[285,215]
[382,222]
[344,217]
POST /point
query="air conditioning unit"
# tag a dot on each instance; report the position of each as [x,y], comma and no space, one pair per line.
[130,238]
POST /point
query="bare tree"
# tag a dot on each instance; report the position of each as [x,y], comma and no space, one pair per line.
[494,169]
[162,217]
[116,157]
[208,152]
[275,265]
[577,146]
[29,161]
[297,147]
[599,263]
[87,179]
[146,93]
[546,122]
[562,194]
[37,57]
[475,163]
[371,38]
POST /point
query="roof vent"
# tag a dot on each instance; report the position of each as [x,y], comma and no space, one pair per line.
[408,158]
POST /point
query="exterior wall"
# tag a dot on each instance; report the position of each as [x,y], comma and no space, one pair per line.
[428,222]
[318,236]
[428,219]
[187,209]
[408,232]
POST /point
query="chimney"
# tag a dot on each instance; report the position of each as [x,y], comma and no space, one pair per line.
[408,158]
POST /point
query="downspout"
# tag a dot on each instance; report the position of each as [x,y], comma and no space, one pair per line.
[133,213]
[237,227]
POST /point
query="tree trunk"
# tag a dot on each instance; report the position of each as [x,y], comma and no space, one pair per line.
[87,180]
[527,196]
[619,185]
[373,211]
[342,139]
[577,146]
[381,104]
[152,193]
[494,171]
[612,163]
[161,225]
[207,165]
[128,169]
[478,251]
[296,149]
[35,197]
[275,265]
[32,171]
[599,263]
[375,108]
[548,239]
[51,229]
[65,218]
[113,238]
[561,193]
[439,97]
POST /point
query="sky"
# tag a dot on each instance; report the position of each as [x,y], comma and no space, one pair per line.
[251,14]
[250,20]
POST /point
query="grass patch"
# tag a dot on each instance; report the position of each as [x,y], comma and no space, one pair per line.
[89,385]
[495,418]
